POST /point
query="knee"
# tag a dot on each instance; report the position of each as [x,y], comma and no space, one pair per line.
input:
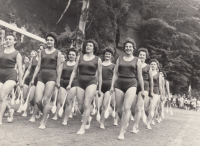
[68,102]
[126,109]
[139,109]
[87,106]
[104,107]
[151,108]
[38,101]
[45,101]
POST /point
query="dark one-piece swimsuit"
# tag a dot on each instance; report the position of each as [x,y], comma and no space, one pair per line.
[65,77]
[87,71]
[107,74]
[48,70]
[7,66]
[126,74]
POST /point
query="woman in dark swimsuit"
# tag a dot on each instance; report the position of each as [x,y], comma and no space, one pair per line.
[87,65]
[49,68]
[28,76]
[32,100]
[10,59]
[68,67]
[157,90]
[107,74]
[127,71]
[143,104]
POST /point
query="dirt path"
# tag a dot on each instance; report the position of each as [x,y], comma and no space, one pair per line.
[182,129]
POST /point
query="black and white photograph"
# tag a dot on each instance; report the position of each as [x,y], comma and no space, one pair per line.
[99,72]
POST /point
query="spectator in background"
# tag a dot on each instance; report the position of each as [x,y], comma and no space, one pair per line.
[22,36]
[198,105]
[2,38]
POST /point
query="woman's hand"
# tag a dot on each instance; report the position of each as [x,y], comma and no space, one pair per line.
[142,94]
[151,95]
[99,93]
[68,87]
[58,85]
[111,90]
[21,84]
[31,83]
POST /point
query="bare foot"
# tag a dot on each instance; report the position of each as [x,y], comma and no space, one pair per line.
[10,117]
[81,130]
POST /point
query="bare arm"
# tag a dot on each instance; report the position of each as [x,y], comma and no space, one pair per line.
[19,66]
[23,69]
[140,77]
[160,84]
[168,92]
[59,68]
[37,69]
[100,74]
[115,75]
[28,70]
[73,75]
[151,81]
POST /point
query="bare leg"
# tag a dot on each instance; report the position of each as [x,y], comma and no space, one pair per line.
[69,102]
[106,99]
[152,106]
[139,110]
[49,88]
[59,102]
[89,95]
[5,90]
[126,108]
[39,91]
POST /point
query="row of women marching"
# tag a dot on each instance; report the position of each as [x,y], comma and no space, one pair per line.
[67,83]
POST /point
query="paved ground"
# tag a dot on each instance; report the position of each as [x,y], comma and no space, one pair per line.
[181,129]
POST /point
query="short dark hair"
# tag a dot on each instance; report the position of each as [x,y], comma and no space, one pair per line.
[108,49]
[164,73]
[40,45]
[34,52]
[156,61]
[144,50]
[64,55]
[53,35]
[129,40]
[94,44]
[73,50]
[23,58]
[11,34]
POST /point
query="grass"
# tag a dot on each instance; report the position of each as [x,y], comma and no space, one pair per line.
[180,129]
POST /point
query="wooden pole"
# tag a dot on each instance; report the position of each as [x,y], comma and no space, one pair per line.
[28,34]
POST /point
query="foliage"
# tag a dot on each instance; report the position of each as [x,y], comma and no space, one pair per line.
[169,29]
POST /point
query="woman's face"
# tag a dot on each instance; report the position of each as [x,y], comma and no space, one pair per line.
[26,59]
[63,58]
[129,48]
[142,55]
[50,41]
[89,47]
[108,56]
[72,56]
[33,53]
[40,49]
[154,65]
[10,40]
[161,73]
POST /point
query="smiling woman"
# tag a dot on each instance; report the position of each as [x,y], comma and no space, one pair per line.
[127,71]
[87,65]
[49,65]
[10,59]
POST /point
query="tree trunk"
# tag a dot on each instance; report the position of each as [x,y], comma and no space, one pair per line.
[80,34]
